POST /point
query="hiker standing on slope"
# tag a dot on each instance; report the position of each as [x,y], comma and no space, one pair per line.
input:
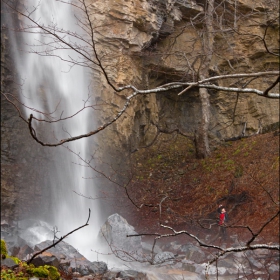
[222,220]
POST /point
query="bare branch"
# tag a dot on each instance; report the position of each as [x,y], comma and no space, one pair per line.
[245,90]
[60,239]
[266,92]
[33,133]
[261,229]
[241,75]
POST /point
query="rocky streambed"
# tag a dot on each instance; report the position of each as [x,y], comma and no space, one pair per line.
[131,258]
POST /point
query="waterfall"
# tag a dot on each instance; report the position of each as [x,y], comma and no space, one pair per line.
[49,84]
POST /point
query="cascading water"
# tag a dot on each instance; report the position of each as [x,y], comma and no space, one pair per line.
[49,84]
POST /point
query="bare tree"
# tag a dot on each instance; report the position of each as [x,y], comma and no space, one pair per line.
[202,144]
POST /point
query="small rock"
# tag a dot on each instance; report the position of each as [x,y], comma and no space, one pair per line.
[4,224]
[131,274]
[255,262]
[181,172]
[76,274]
[227,263]
[110,275]
[88,277]
[189,267]
[273,268]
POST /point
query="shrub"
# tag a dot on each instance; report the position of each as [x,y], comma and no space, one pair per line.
[40,272]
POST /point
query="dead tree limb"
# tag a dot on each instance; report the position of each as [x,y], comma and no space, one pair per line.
[59,240]
[265,93]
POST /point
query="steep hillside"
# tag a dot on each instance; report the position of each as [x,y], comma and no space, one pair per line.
[172,187]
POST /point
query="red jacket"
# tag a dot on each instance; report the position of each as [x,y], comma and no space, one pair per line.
[222,218]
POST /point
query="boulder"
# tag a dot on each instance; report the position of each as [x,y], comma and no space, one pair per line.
[8,263]
[23,252]
[71,259]
[114,232]
[97,268]
[87,267]
[192,253]
[61,250]
[273,268]
[255,262]
[45,260]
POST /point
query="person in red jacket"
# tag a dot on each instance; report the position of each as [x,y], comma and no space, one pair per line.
[222,221]
[222,217]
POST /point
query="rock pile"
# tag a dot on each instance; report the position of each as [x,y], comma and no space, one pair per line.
[171,260]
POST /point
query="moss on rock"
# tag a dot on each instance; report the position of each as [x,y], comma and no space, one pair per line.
[25,271]
[4,251]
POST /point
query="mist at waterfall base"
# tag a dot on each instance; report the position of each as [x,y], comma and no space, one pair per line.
[51,85]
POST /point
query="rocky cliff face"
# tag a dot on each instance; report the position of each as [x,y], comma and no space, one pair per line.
[147,43]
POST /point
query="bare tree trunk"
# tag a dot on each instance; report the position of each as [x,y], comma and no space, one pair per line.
[201,137]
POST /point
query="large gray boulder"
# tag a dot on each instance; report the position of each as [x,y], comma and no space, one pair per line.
[114,233]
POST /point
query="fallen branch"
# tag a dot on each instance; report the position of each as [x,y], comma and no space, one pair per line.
[59,240]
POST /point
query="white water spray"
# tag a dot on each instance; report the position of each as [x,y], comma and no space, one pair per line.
[49,84]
